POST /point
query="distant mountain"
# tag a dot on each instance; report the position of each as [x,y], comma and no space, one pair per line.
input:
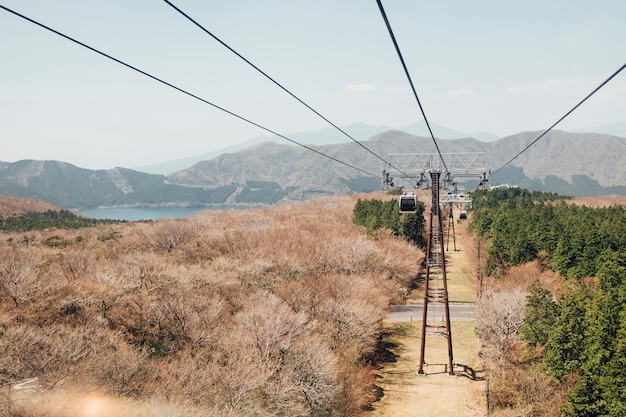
[580,164]
[166,167]
[328,136]
[614,129]
[565,155]
[585,164]
[440,132]
[68,186]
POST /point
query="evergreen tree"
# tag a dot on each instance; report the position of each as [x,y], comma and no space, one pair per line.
[541,314]
[375,214]
[566,342]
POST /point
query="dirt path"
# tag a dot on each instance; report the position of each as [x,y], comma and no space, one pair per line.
[405,394]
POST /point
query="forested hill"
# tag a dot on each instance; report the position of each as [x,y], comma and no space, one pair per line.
[577,332]
[69,186]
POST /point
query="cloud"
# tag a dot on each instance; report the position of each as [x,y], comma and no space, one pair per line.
[514,89]
[359,88]
[461,92]
[543,85]
[547,84]
[576,81]
[613,92]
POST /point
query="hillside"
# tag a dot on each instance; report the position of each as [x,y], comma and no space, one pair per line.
[568,163]
[328,136]
[279,311]
[14,206]
[239,313]
[579,164]
[565,155]
[551,316]
[69,186]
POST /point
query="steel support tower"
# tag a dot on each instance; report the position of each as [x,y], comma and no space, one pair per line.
[424,170]
[435,283]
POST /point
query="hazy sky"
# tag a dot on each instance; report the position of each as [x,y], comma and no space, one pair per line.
[478,66]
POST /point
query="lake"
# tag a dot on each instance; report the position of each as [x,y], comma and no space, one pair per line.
[146,213]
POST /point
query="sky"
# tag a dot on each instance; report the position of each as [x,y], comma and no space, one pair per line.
[494,66]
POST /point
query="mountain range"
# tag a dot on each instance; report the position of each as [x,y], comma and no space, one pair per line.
[329,136]
[570,163]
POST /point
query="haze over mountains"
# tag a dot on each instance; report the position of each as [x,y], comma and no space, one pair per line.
[580,164]
[328,136]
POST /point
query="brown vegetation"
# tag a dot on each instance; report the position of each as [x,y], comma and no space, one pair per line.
[257,313]
[517,386]
[14,206]
[601,201]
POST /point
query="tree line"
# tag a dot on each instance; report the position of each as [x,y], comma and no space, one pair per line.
[40,220]
[523,225]
[377,214]
[581,334]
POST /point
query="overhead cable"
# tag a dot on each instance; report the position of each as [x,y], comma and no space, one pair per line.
[559,121]
[180,89]
[275,82]
[406,71]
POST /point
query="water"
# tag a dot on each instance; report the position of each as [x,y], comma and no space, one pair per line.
[145,213]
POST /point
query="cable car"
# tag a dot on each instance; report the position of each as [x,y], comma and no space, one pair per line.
[408,203]
[462,215]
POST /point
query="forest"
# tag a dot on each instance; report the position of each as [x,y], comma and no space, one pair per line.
[375,214]
[271,312]
[572,347]
[35,220]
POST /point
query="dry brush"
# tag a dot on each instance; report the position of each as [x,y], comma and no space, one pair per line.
[258,312]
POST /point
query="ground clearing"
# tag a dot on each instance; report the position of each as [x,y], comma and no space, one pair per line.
[405,394]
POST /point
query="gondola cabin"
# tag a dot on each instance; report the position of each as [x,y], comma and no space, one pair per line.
[462,215]
[408,203]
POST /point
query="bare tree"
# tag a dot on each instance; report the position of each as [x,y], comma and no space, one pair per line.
[499,316]
[139,270]
[76,263]
[19,279]
[170,234]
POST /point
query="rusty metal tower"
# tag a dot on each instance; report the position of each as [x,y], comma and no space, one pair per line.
[423,169]
[435,282]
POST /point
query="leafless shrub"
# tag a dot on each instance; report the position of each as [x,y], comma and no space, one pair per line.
[517,385]
[76,263]
[192,317]
[107,233]
[499,316]
[19,278]
[137,315]
[139,270]
[49,353]
[169,234]
[226,313]
[269,326]
[115,366]
[285,363]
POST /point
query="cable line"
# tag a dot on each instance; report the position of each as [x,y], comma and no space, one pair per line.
[277,83]
[180,89]
[559,121]
[406,71]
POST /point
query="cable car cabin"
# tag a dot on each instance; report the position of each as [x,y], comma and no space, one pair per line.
[408,203]
[462,215]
